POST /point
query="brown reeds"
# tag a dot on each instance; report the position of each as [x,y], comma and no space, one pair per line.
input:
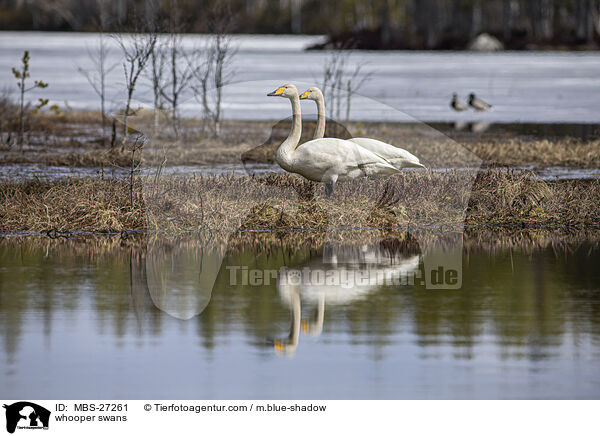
[74,138]
[283,202]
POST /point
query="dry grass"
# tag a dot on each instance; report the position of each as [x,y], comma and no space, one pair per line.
[567,152]
[517,197]
[437,149]
[108,158]
[284,202]
[91,205]
[88,143]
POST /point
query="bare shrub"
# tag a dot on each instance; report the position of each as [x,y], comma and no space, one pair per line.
[98,56]
[211,67]
[341,81]
[136,49]
[22,75]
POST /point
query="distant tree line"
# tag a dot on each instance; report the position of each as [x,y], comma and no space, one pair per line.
[452,24]
[412,24]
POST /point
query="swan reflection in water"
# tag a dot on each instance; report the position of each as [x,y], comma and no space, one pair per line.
[176,276]
[342,276]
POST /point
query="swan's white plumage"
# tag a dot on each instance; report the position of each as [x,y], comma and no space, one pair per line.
[398,157]
[330,159]
[325,159]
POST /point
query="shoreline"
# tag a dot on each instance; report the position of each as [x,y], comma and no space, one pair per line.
[476,239]
[504,192]
[77,139]
[283,202]
[329,42]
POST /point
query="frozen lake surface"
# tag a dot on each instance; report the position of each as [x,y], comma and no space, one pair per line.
[544,87]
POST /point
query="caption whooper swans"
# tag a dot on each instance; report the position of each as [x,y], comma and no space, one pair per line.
[326,159]
[398,157]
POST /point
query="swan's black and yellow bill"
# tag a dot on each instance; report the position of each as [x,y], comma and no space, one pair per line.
[304,95]
[304,322]
[278,91]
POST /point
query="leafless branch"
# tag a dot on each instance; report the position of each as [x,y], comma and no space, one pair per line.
[137,49]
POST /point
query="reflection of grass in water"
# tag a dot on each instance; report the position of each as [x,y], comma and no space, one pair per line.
[479,239]
[287,202]
[491,239]
[485,239]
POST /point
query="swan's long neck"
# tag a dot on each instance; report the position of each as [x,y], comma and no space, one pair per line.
[296,315]
[285,151]
[321,120]
[318,324]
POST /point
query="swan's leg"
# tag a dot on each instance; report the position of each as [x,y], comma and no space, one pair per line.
[330,180]
[329,189]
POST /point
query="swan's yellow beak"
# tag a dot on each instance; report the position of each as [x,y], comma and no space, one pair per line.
[304,95]
[304,321]
[278,91]
[278,345]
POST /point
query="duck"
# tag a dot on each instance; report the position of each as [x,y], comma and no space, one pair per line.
[457,105]
[478,104]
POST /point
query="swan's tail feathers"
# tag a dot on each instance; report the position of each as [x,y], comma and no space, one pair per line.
[388,164]
[376,169]
[406,163]
[416,165]
[392,169]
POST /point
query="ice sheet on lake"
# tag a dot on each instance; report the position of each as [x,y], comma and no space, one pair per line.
[522,86]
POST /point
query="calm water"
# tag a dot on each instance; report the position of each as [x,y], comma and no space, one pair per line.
[19,172]
[546,87]
[174,318]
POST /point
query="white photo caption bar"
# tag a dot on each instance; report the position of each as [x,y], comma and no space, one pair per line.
[271,417]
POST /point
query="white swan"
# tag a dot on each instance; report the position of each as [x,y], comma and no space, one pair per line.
[288,345]
[398,157]
[353,274]
[326,159]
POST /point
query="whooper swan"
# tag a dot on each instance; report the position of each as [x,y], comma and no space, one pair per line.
[398,157]
[326,159]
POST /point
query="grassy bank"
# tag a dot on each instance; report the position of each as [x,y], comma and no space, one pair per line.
[74,138]
[418,198]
